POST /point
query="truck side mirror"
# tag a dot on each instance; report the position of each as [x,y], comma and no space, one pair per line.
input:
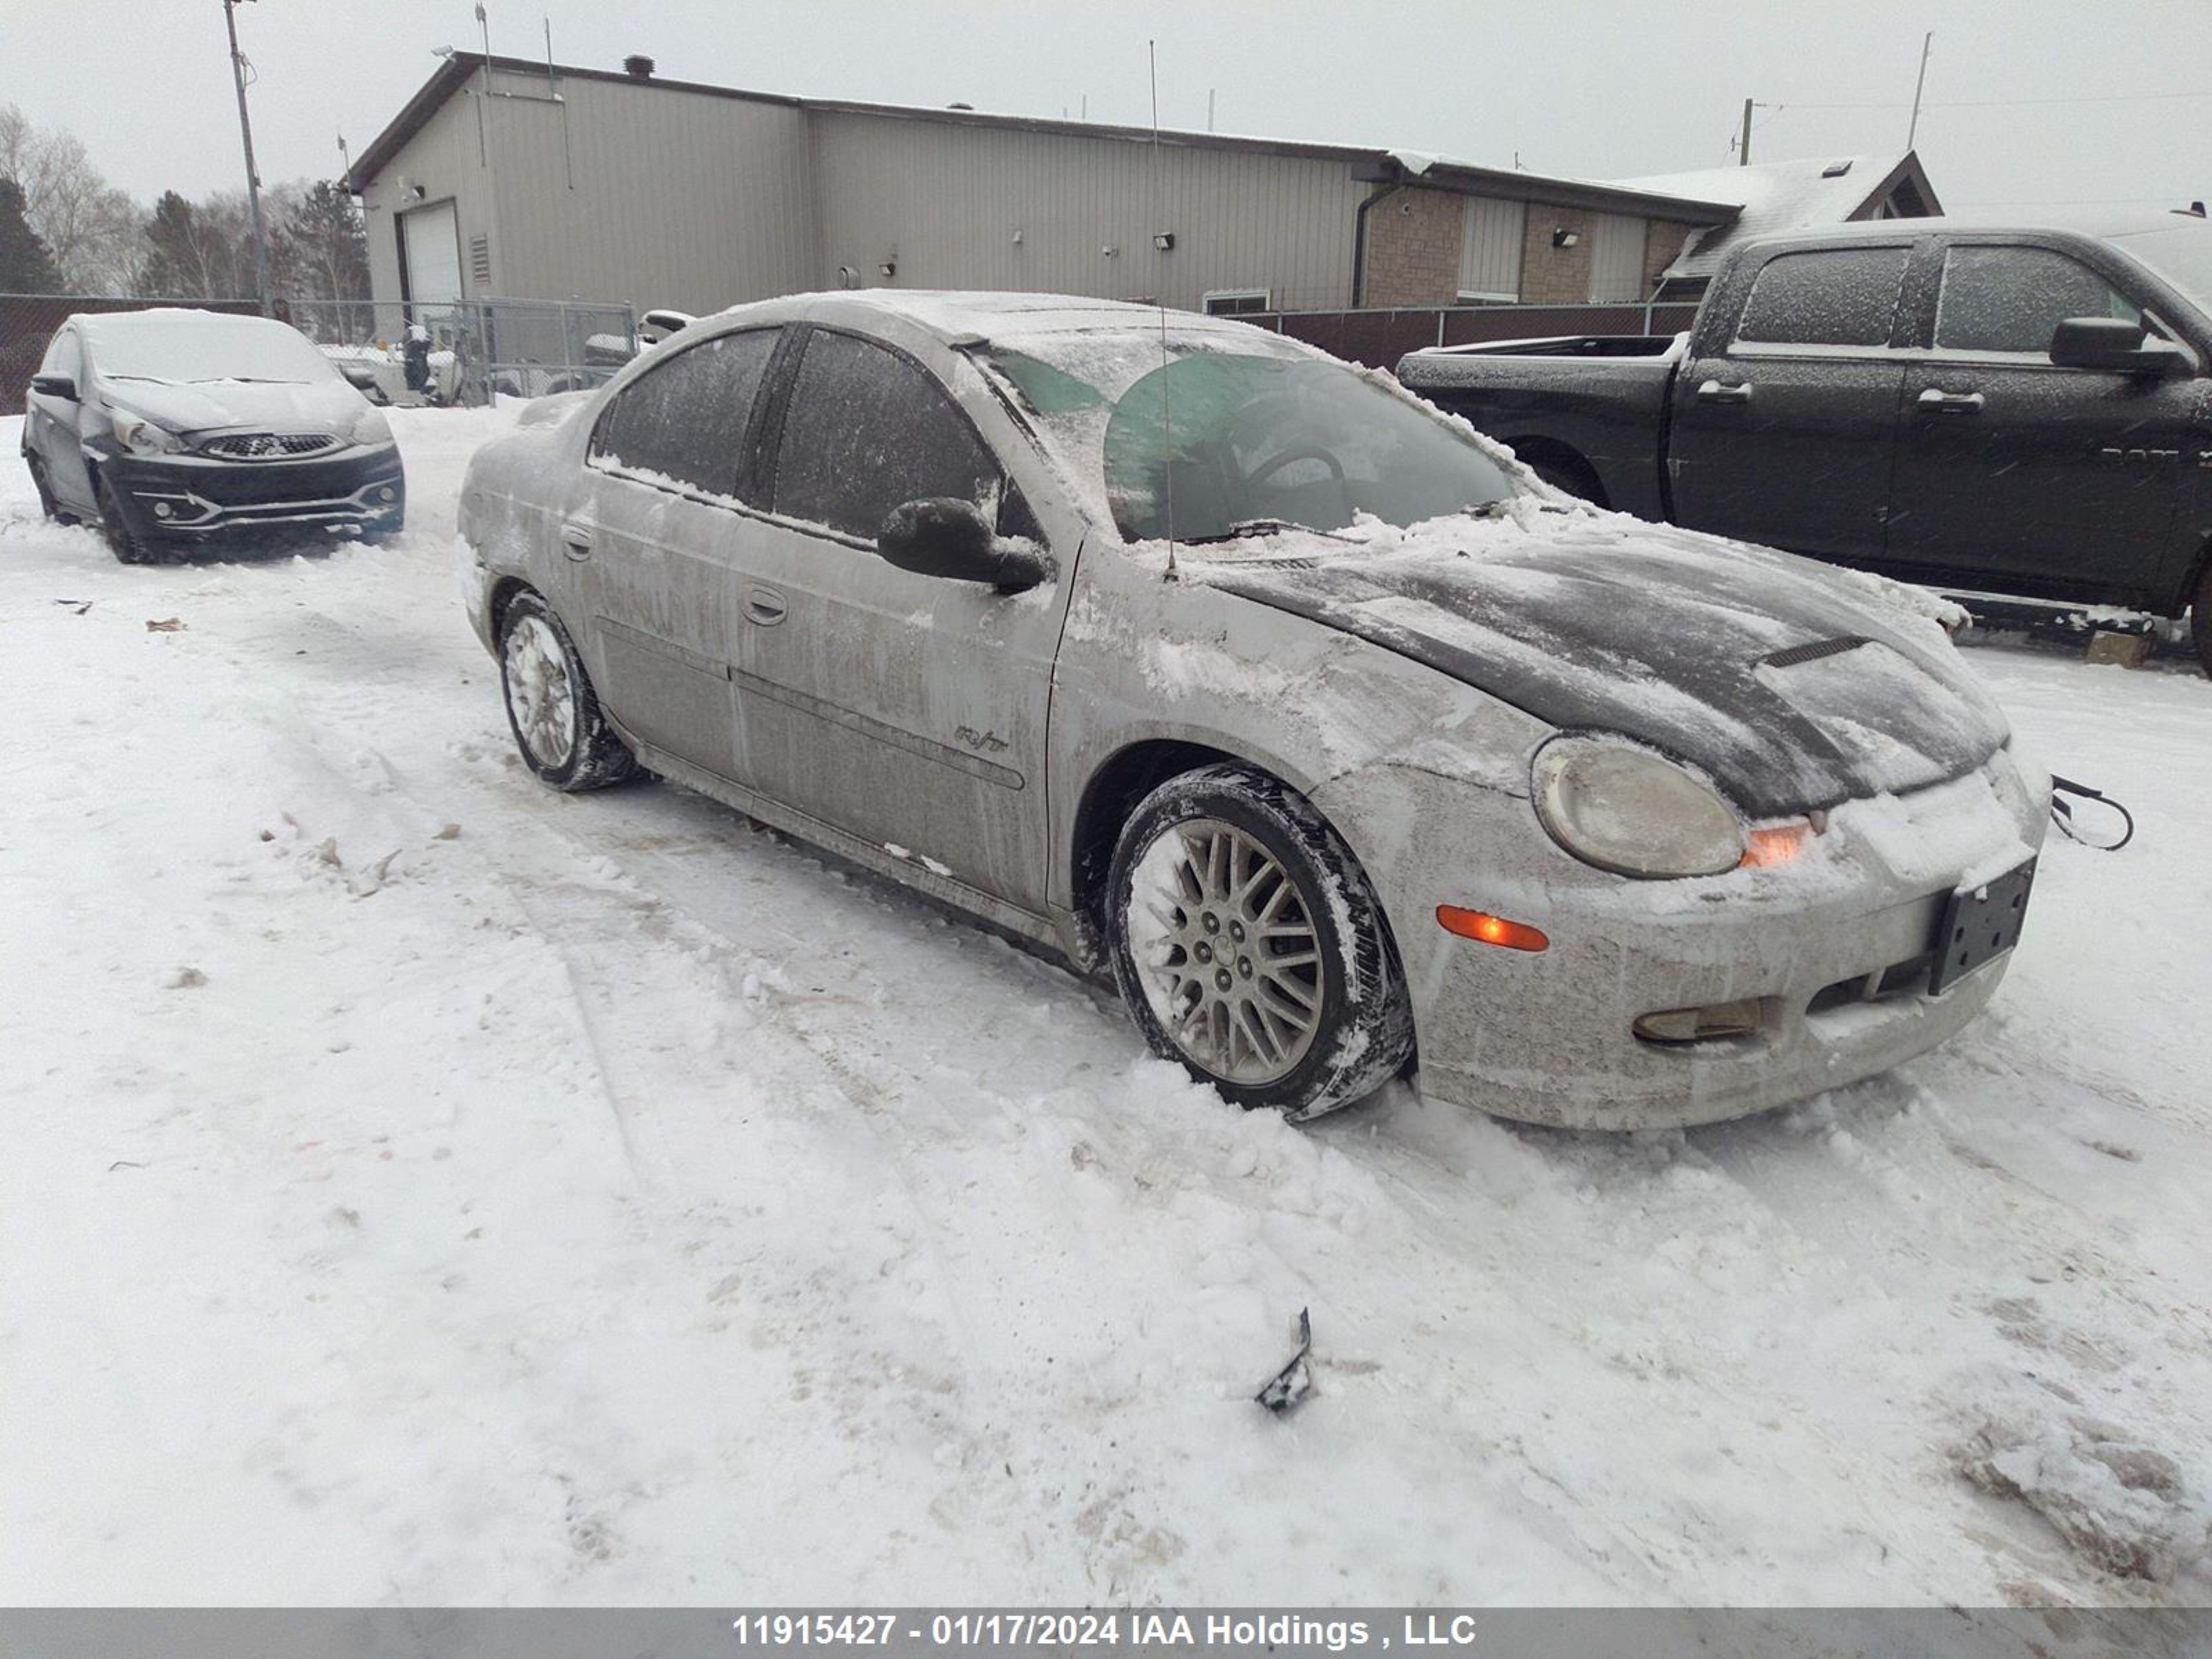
[2112,343]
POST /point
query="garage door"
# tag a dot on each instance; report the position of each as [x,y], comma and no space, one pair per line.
[430,237]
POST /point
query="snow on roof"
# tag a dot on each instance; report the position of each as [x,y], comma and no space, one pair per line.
[1776,196]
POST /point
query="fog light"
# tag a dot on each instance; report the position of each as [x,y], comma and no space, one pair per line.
[1482,926]
[1715,1019]
[162,509]
[384,494]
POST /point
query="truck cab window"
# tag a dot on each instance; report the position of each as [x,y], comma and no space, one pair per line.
[2011,299]
[1830,297]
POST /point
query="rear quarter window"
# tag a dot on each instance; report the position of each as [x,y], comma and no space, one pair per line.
[1830,297]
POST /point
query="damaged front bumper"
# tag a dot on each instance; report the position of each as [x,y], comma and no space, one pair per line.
[1664,1004]
[188,499]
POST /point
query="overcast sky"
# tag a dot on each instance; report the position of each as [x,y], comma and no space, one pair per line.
[1608,89]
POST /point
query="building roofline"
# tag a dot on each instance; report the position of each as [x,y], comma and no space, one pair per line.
[1381,166]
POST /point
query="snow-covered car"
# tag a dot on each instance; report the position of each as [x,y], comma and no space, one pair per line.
[380,372]
[174,427]
[1194,653]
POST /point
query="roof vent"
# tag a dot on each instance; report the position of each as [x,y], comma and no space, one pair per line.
[638,67]
[1835,169]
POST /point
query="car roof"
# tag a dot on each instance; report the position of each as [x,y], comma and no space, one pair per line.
[957,316]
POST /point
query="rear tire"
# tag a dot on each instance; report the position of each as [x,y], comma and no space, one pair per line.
[1248,945]
[128,549]
[552,708]
[2200,619]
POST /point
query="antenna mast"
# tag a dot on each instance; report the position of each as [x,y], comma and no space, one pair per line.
[1167,420]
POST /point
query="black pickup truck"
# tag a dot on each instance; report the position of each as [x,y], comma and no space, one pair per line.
[1986,410]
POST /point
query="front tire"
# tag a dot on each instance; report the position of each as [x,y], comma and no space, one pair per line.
[129,549]
[1248,945]
[552,708]
[48,503]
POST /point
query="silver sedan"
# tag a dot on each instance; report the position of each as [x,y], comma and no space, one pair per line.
[1343,744]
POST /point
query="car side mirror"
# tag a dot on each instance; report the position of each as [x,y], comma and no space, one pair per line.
[943,536]
[55,386]
[360,376]
[2112,343]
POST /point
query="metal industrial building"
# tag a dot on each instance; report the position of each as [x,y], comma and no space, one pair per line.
[544,181]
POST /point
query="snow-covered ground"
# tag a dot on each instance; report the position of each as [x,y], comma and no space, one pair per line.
[422,1187]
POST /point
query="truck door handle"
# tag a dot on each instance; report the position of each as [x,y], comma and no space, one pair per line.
[576,539]
[1936,401]
[764,606]
[1715,391]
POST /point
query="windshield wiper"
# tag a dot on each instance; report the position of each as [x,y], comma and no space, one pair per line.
[1244,529]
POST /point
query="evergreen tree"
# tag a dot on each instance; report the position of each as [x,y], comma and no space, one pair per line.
[176,261]
[26,267]
[321,249]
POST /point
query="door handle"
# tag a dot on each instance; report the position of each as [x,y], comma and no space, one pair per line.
[1936,401]
[764,606]
[1718,392]
[576,539]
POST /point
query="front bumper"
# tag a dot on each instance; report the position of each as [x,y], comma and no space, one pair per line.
[196,498]
[1834,948]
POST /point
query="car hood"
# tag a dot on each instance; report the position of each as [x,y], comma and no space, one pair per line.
[205,405]
[1794,685]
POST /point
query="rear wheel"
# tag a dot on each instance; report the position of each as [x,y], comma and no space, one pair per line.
[552,708]
[1573,477]
[2200,620]
[129,549]
[1249,946]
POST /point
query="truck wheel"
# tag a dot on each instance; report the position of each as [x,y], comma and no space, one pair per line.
[1575,477]
[2200,620]
[552,708]
[1248,945]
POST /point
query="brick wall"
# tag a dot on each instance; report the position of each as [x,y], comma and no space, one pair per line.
[1414,239]
[1555,276]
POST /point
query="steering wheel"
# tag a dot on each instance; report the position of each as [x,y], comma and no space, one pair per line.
[1268,469]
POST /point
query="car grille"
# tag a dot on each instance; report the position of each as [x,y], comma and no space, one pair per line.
[271,446]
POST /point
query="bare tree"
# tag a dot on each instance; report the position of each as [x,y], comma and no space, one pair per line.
[89,227]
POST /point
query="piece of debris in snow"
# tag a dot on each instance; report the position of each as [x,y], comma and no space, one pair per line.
[1288,1386]
[185,979]
[167,625]
[78,607]
[446,832]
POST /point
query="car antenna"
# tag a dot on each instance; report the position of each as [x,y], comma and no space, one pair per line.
[1166,419]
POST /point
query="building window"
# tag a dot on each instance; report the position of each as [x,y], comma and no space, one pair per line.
[1616,258]
[1236,301]
[1490,252]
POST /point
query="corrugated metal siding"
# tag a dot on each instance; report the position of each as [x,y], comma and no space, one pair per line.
[1616,258]
[444,159]
[658,198]
[944,204]
[1489,255]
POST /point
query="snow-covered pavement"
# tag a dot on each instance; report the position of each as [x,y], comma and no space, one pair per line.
[421,1188]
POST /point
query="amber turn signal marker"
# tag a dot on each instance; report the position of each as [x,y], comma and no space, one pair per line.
[1776,844]
[1490,930]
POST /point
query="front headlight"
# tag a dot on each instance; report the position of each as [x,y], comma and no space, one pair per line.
[1634,812]
[372,429]
[141,437]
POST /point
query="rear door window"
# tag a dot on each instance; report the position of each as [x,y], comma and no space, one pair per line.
[1830,297]
[683,422]
[868,429]
[2011,299]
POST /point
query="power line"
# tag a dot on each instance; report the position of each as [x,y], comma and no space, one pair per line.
[2009,103]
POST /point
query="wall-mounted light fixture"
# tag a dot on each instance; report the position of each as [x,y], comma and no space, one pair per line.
[1164,241]
[890,268]
[847,277]
[1017,239]
[1562,237]
[1107,252]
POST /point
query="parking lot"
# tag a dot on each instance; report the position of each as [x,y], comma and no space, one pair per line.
[424,1187]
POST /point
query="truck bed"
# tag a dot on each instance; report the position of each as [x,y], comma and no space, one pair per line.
[1605,398]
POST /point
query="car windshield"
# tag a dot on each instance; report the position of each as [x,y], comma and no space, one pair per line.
[2180,252]
[180,346]
[1208,444]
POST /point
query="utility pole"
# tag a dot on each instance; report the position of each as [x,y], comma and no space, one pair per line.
[1743,144]
[1926,41]
[253,178]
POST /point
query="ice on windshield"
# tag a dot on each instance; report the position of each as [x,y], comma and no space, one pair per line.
[180,347]
[1201,437]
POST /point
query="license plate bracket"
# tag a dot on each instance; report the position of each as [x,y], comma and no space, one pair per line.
[1979,925]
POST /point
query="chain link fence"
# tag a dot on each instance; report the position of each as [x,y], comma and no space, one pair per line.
[465,351]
